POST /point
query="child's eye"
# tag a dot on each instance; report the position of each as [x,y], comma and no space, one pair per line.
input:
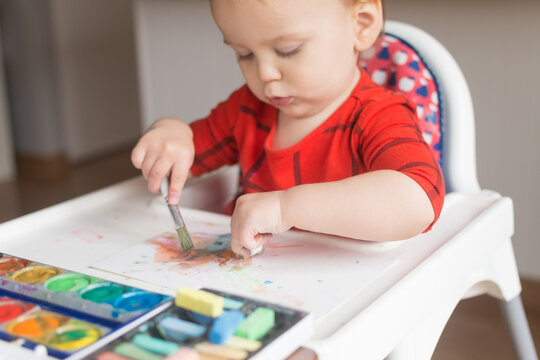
[288,53]
[246,56]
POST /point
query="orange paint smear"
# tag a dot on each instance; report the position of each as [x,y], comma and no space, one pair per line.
[198,256]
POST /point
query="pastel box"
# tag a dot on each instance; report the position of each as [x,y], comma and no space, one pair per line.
[162,334]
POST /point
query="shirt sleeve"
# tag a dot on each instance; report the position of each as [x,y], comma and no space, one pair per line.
[389,138]
[213,136]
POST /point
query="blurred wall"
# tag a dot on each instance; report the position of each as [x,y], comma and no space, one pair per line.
[7,164]
[184,67]
[71,76]
[97,76]
[31,77]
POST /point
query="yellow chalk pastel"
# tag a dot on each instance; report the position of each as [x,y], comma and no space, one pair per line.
[236,342]
[206,348]
[200,301]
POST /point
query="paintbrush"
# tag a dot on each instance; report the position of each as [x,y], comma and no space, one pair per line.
[181,230]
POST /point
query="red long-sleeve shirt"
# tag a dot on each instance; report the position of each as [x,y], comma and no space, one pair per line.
[373,129]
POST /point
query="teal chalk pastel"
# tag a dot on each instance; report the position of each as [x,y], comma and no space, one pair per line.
[232,304]
[155,345]
[225,326]
[257,324]
[179,330]
[134,352]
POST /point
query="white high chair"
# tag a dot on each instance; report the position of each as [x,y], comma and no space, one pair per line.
[471,253]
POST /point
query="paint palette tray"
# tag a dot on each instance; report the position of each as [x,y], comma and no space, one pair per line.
[102,299]
[170,329]
[61,334]
[64,311]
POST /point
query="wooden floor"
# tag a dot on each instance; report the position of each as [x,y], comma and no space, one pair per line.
[475,330]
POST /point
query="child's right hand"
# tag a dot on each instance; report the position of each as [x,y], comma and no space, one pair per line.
[166,148]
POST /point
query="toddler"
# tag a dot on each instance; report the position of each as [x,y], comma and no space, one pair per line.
[320,146]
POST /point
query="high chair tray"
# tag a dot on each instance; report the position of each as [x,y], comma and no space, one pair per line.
[114,234]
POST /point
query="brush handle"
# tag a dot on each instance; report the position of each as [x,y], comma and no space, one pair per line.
[165,187]
[175,212]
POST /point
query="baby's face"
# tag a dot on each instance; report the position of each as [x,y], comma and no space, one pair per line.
[297,55]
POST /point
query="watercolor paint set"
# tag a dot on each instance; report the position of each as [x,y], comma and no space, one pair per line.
[75,316]
[213,324]
[102,299]
[63,310]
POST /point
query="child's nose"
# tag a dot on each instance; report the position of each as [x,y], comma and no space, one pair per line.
[268,71]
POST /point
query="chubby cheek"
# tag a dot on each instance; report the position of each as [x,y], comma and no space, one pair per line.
[310,82]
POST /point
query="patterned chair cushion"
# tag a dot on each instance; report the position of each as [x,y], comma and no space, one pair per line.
[394,64]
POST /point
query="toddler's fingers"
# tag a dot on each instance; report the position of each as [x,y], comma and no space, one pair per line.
[236,245]
[177,181]
[160,169]
[244,242]
[242,252]
[263,239]
[148,164]
[137,155]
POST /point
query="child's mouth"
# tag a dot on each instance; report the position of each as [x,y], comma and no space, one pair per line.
[279,101]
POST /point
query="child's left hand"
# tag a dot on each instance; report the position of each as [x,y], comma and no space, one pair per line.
[256,217]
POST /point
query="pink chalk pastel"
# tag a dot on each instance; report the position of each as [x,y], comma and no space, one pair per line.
[109,355]
[184,353]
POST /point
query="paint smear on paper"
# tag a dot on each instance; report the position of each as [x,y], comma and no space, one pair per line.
[243,280]
[207,248]
[87,235]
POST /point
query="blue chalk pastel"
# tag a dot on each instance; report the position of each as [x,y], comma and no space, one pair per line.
[232,303]
[200,318]
[225,326]
[180,330]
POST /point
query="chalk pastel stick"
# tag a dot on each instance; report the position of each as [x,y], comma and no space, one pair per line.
[199,301]
[155,345]
[232,304]
[244,344]
[184,353]
[255,251]
[257,324]
[134,352]
[109,355]
[200,318]
[225,326]
[221,351]
[179,330]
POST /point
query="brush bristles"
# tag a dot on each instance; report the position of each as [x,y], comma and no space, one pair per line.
[185,239]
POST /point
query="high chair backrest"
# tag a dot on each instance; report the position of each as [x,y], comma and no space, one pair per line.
[412,62]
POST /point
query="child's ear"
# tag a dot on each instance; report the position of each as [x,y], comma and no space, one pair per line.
[368,23]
